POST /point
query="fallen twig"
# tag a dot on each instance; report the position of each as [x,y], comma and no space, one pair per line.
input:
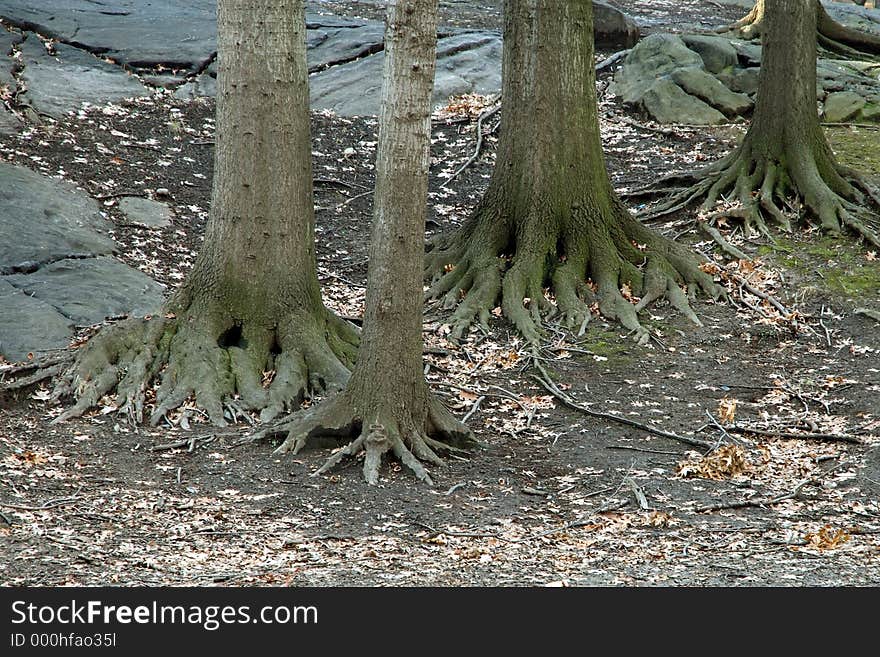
[36,377]
[474,408]
[639,449]
[51,504]
[613,59]
[773,500]
[826,437]
[189,443]
[568,401]
[758,503]
[485,115]
[336,181]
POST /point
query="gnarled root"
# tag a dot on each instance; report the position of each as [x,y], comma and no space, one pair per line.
[222,368]
[473,270]
[411,440]
[764,188]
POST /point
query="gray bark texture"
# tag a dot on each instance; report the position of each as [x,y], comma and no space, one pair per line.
[386,406]
[250,311]
[550,218]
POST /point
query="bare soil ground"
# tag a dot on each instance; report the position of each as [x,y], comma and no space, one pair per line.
[556,496]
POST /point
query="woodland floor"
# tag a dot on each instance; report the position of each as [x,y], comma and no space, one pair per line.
[556,497]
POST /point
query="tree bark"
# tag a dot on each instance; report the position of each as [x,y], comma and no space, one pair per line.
[829,33]
[386,405]
[784,158]
[252,302]
[550,214]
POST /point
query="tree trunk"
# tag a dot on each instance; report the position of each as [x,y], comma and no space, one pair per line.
[784,156]
[386,404]
[829,33]
[550,215]
[252,303]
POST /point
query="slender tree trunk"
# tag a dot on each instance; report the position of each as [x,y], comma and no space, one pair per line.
[550,215]
[386,405]
[252,303]
[785,157]
[389,373]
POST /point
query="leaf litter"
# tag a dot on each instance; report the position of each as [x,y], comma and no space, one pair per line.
[553,497]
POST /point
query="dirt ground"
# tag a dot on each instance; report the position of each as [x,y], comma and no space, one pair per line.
[557,496]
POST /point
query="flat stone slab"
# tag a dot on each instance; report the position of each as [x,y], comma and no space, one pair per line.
[842,106]
[56,271]
[136,33]
[468,62]
[50,220]
[333,40]
[28,325]
[9,123]
[62,82]
[7,41]
[89,291]
[145,212]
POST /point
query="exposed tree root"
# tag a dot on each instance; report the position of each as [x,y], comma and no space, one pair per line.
[221,365]
[487,261]
[411,440]
[764,188]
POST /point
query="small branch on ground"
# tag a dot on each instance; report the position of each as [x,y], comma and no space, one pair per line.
[480,135]
[825,437]
[772,500]
[551,387]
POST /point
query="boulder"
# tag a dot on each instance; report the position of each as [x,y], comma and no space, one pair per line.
[707,88]
[842,106]
[716,52]
[9,123]
[666,102]
[29,325]
[612,28]
[131,32]
[871,112]
[744,80]
[333,41]
[656,56]
[145,212]
[90,290]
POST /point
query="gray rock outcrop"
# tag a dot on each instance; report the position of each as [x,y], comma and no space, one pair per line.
[57,272]
[722,73]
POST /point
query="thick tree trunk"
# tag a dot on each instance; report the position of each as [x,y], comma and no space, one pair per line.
[386,404]
[252,303]
[550,214]
[785,157]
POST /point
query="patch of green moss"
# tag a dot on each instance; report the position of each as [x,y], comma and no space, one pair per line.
[838,263]
[858,148]
[608,344]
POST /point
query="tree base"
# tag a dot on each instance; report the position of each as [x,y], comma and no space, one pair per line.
[600,263]
[830,34]
[837,196]
[222,373]
[410,439]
